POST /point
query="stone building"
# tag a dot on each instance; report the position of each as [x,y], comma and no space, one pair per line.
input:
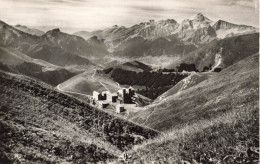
[111,97]
[119,108]
[98,96]
[126,95]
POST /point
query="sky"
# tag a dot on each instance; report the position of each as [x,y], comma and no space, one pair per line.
[89,15]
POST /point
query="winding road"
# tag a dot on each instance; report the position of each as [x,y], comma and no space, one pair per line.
[58,87]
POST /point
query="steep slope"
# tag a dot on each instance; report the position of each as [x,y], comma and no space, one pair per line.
[89,81]
[216,121]
[226,29]
[190,81]
[41,125]
[75,44]
[98,47]
[37,47]
[197,30]
[216,95]
[222,53]
[29,30]
[14,61]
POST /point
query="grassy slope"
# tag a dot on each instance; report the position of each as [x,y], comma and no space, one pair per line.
[192,80]
[218,94]
[39,124]
[219,121]
[88,82]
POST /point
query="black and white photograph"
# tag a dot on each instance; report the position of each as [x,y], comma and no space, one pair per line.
[129,82]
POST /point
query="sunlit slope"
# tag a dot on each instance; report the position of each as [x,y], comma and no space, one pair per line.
[89,81]
[233,87]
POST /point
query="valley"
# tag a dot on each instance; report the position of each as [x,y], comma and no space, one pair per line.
[155,92]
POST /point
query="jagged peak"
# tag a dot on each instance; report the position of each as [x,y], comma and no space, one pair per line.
[224,24]
[53,31]
[172,21]
[200,17]
[56,30]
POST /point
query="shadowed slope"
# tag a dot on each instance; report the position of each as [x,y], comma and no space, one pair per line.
[17,62]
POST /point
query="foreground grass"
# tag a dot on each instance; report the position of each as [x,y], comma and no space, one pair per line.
[230,138]
[41,125]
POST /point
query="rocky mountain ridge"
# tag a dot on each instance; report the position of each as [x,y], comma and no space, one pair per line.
[197,30]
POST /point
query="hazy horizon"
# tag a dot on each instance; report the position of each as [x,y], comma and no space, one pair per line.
[89,15]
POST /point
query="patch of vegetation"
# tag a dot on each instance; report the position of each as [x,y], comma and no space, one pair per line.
[187,67]
[156,83]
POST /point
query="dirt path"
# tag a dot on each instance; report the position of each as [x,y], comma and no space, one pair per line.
[58,87]
[150,114]
[94,73]
[104,86]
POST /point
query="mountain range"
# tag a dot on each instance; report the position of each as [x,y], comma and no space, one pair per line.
[196,31]
[196,101]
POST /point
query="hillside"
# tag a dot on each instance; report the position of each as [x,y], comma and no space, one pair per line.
[89,81]
[222,53]
[84,34]
[226,29]
[221,93]
[139,47]
[75,44]
[17,62]
[41,125]
[211,122]
[38,47]
[29,30]
[190,81]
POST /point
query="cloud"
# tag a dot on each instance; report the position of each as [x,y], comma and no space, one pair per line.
[91,15]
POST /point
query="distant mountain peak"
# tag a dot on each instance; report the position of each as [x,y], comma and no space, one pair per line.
[56,30]
[93,39]
[53,32]
[221,24]
[201,18]
[18,25]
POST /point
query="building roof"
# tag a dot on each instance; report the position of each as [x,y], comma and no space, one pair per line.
[119,105]
[95,92]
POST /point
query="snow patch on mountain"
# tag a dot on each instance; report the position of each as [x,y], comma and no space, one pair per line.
[218,59]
